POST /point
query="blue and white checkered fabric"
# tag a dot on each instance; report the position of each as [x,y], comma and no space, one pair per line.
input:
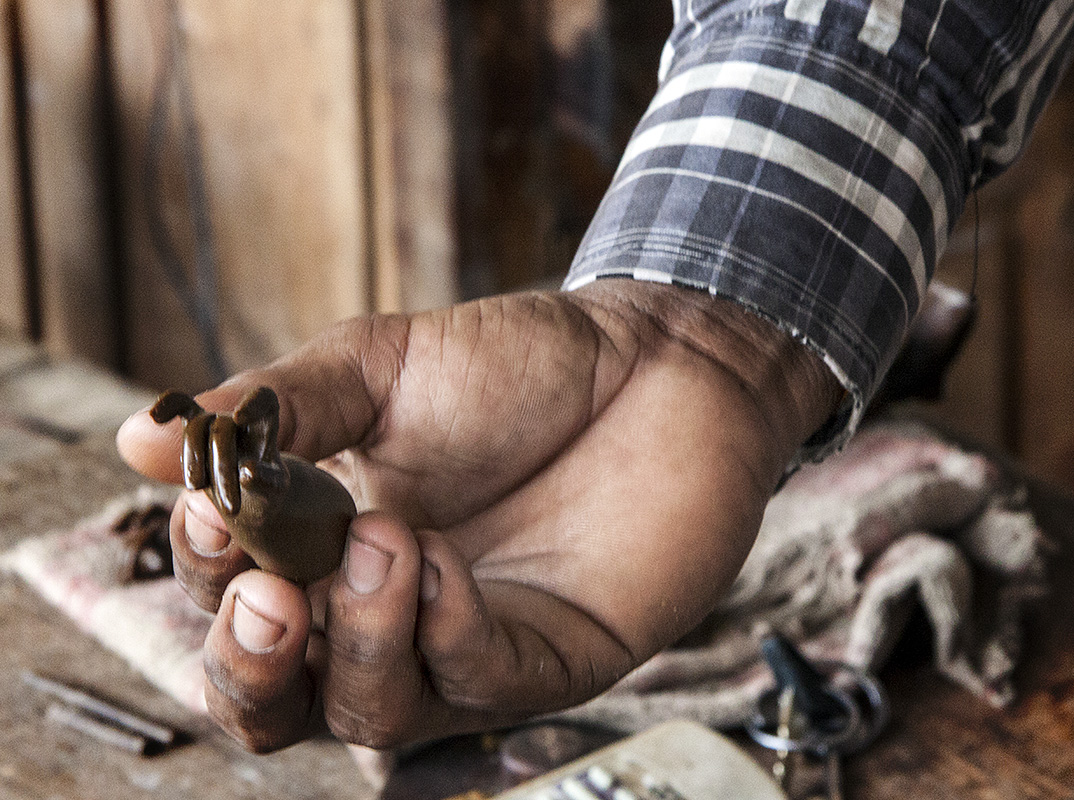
[808,158]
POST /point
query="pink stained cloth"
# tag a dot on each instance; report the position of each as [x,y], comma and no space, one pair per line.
[845,549]
[87,571]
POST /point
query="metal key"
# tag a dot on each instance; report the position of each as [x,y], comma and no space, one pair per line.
[793,738]
[781,769]
[841,710]
[865,689]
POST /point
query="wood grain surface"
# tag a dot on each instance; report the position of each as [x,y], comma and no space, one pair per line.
[14,311]
[47,485]
[409,153]
[945,744]
[66,150]
[272,99]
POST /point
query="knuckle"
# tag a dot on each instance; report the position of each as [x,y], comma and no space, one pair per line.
[370,638]
[362,651]
[249,731]
[381,716]
[354,729]
[244,691]
[466,695]
[204,594]
[260,722]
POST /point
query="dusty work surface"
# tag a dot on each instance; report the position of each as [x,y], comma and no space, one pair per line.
[58,464]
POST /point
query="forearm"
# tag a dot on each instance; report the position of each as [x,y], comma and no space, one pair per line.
[807,161]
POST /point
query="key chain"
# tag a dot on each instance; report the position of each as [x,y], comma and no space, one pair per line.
[823,709]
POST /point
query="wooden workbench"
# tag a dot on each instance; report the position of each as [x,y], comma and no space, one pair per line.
[58,464]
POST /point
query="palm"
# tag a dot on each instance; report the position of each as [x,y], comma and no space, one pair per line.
[486,397]
[551,462]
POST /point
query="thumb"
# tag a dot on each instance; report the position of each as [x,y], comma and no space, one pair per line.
[330,391]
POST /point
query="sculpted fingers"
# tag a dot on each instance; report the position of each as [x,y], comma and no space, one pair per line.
[195,458]
[462,645]
[224,464]
[259,417]
[329,391]
[416,650]
[257,687]
[203,553]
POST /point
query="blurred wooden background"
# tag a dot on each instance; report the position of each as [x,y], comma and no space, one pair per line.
[202,185]
[195,186]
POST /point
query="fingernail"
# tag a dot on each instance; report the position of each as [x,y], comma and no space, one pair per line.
[206,538]
[367,567]
[254,631]
[430,582]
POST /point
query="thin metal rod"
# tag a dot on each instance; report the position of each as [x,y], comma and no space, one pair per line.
[78,720]
[100,708]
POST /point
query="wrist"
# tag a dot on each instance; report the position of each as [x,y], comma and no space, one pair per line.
[792,392]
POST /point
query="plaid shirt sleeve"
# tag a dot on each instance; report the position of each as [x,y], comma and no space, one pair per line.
[808,158]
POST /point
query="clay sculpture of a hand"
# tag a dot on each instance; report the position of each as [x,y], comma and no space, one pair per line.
[289,515]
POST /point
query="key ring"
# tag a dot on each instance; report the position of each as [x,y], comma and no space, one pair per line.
[870,687]
[856,732]
[814,741]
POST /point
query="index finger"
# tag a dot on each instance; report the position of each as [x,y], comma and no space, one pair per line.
[329,391]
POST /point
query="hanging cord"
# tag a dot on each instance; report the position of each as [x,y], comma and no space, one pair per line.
[198,300]
[976,245]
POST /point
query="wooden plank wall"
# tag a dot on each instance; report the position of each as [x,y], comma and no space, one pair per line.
[1013,387]
[74,255]
[1041,282]
[203,180]
[266,105]
[411,143]
[338,156]
[548,94]
[14,305]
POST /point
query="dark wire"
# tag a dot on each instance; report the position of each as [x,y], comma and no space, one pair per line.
[198,299]
[976,244]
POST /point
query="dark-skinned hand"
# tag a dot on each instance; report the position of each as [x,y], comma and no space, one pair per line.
[555,486]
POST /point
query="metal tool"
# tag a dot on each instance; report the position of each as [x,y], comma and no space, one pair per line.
[823,710]
[90,714]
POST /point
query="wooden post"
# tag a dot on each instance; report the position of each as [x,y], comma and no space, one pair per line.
[14,310]
[64,94]
[407,81]
[503,131]
[1043,282]
[977,391]
[272,94]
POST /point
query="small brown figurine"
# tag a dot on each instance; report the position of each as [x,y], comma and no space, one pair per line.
[289,515]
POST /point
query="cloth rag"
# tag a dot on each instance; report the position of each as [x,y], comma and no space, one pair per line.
[846,549]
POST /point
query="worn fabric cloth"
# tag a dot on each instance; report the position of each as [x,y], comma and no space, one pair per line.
[846,550]
[92,572]
[808,159]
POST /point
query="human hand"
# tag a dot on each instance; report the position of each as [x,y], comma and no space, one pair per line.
[565,483]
